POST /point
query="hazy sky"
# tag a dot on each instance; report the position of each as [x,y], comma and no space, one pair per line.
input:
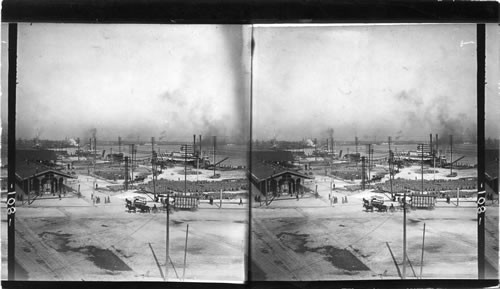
[173,81]
[166,81]
[371,81]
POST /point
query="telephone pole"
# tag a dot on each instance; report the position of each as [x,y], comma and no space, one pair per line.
[185,168]
[363,173]
[404,235]
[153,164]
[131,152]
[126,173]
[422,167]
[391,169]
[451,155]
[215,141]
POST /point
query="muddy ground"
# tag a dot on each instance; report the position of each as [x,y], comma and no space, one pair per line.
[311,239]
[73,239]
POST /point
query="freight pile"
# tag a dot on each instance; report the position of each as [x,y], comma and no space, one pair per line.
[198,187]
[436,186]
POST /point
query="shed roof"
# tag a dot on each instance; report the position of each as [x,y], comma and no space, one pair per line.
[27,170]
[261,172]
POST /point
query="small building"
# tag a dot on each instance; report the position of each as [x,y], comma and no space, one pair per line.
[36,172]
[273,173]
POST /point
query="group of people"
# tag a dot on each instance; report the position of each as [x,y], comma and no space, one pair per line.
[97,199]
[335,200]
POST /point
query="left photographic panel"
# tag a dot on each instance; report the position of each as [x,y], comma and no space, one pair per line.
[131,152]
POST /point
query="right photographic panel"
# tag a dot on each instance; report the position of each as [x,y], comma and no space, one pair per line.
[364,152]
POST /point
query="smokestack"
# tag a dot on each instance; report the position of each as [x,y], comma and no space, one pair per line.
[356,143]
[119,144]
[437,146]
[430,146]
[194,144]
[90,144]
[327,146]
[200,144]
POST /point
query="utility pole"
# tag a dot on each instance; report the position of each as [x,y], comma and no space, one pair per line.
[119,144]
[356,143]
[369,161]
[391,170]
[185,252]
[363,173]
[126,173]
[153,164]
[215,141]
[167,229]
[78,149]
[451,155]
[422,168]
[422,258]
[95,155]
[185,169]
[131,152]
[404,235]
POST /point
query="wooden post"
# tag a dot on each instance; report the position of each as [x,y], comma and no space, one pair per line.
[185,252]
[390,166]
[422,258]
[167,235]
[422,168]
[153,163]
[404,236]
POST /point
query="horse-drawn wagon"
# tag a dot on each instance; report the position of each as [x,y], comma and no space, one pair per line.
[138,203]
[374,202]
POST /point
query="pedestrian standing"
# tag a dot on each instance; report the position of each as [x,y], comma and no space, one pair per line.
[297,196]
[241,201]
[346,199]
